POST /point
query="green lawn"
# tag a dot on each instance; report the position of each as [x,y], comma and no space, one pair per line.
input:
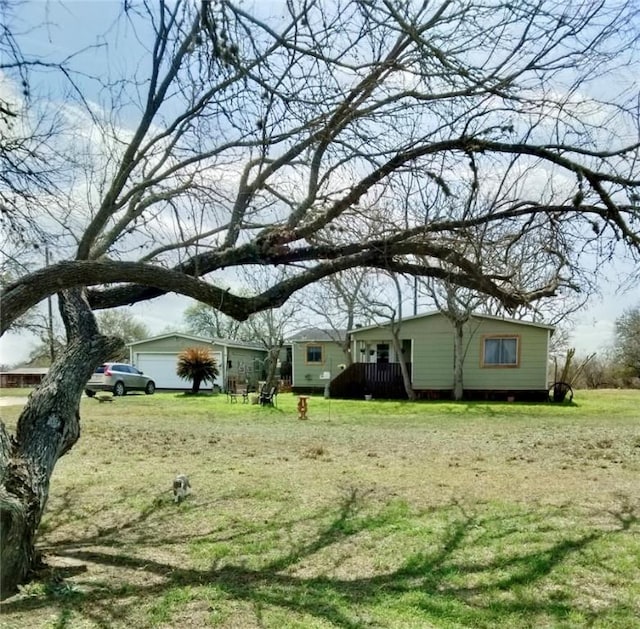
[14,392]
[369,514]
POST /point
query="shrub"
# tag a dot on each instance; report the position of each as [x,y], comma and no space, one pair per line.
[198,365]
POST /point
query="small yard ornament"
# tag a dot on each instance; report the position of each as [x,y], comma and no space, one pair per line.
[181,487]
[303,406]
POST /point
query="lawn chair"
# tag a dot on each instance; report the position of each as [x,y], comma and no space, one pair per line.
[268,396]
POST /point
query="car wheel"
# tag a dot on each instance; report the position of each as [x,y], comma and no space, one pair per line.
[150,388]
[118,389]
[89,393]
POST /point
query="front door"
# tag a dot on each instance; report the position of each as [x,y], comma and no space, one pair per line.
[382,353]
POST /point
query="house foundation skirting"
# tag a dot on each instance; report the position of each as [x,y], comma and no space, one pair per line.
[489,395]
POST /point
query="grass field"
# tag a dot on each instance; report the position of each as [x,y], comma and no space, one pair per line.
[369,514]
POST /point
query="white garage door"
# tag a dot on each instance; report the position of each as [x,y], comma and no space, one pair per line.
[162,368]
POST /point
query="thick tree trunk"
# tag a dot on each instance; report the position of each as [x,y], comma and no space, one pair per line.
[47,428]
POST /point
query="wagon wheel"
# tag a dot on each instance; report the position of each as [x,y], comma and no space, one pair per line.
[558,392]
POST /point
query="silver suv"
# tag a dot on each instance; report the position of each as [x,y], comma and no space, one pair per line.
[119,378]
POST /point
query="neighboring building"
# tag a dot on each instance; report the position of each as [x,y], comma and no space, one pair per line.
[503,358]
[240,363]
[316,358]
[22,377]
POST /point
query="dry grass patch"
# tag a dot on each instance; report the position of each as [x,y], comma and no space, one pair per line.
[443,515]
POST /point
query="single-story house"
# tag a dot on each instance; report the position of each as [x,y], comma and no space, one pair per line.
[317,356]
[240,363]
[22,377]
[503,358]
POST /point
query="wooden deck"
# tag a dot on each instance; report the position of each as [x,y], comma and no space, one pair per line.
[383,381]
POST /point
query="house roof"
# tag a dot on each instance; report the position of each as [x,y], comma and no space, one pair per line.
[27,371]
[317,334]
[475,315]
[202,339]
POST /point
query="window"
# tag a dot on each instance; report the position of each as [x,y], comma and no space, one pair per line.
[314,353]
[500,352]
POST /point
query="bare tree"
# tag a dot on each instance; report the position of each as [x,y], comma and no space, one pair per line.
[267,327]
[207,321]
[340,302]
[47,428]
[313,159]
[270,327]
[509,249]
[457,305]
[392,315]
[627,341]
[121,323]
[258,138]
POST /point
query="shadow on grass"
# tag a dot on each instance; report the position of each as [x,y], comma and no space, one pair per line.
[201,395]
[479,571]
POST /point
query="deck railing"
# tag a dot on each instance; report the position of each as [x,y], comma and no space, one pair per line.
[382,381]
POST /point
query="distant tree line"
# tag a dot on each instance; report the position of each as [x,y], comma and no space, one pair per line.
[618,366]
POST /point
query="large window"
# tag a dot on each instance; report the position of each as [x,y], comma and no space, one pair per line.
[500,352]
[314,354]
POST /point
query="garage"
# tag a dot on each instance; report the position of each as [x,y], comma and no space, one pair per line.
[162,368]
[157,356]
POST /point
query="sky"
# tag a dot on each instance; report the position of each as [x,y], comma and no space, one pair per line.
[70,25]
